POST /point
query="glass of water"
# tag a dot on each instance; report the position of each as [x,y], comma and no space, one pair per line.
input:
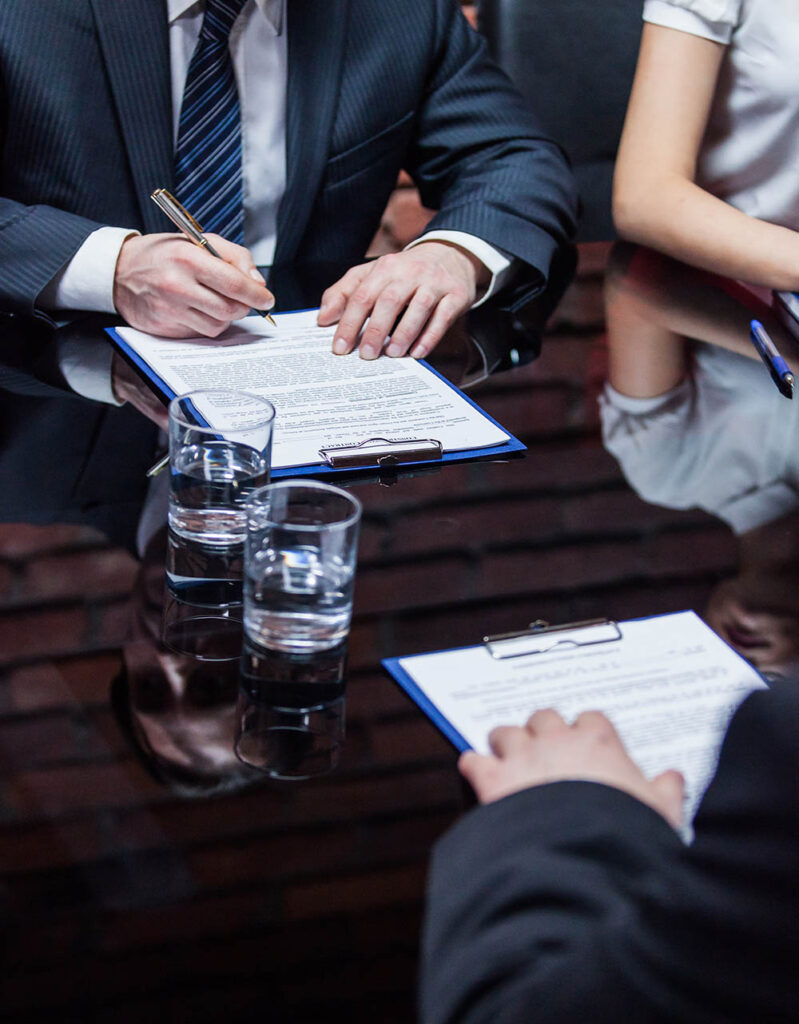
[299,566]
[220,445]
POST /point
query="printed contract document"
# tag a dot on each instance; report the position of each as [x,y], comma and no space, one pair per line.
[669,684]
[321,400]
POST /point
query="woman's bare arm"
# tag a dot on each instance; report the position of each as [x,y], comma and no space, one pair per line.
[655,199]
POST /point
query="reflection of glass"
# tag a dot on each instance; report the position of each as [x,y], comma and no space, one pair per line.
[219,451]
[302,540]
[291,711]
[202,631]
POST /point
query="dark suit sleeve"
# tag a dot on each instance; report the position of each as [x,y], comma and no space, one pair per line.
[35,243]
[574,902]
[480,158]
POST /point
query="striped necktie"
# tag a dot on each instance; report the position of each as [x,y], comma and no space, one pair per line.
[208,153]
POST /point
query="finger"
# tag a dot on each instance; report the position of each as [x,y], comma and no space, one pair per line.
[335,298]
[670,789]
[196,321]
[479,770]
[547,720]
[447,312]
[215,306]
[596,722]
[387,307]
[237,256]
[506,740]
[414,319]
[358,308]
[230,283]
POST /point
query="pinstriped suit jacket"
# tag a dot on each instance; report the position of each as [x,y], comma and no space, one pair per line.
[373,87]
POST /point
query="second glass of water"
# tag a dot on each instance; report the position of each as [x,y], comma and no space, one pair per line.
[299,570]
[220,445]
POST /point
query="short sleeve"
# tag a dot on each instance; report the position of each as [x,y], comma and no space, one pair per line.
[711,19]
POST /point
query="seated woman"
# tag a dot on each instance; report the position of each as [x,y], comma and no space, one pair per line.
[708,166]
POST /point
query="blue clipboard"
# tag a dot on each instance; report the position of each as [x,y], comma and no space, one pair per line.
[512,445]
[440,721]
[535,630]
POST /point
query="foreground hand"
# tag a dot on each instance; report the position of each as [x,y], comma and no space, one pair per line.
[164,284]
[549,750]
[434,283]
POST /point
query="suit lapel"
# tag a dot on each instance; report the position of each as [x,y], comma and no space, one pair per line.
[316,43]
[135,44]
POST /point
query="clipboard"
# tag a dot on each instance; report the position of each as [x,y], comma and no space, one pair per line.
[366,454]
[538,637]
[465,691]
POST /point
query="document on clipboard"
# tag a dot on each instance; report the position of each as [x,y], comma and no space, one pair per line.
[669,684]
[333,412]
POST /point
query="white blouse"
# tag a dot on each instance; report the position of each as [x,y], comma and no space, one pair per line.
[750,153]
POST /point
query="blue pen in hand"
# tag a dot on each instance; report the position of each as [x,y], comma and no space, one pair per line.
[777,367]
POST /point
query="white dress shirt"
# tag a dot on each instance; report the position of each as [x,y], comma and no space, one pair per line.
[750,153]
[259,51]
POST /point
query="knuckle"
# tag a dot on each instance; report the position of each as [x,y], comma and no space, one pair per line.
[393,295]
[425,297]
[362,296]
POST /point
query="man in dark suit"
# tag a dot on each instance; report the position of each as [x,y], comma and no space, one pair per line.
[570,897]
[333,99]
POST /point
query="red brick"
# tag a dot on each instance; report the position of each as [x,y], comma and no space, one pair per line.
[530,412]
[694,551]
[9,584]
[552,465]
[566,567]
[614,511]
[30,743]
[21,540]
[78,575]
[346,896]
[466,626]
[563,358]
[475,526]
[409,585]
[43,633]
[410,740]
[70,789]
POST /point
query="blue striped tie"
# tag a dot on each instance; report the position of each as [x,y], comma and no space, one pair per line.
[208,154]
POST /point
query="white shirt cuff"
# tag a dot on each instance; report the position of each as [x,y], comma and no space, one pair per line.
[87,281]
[86,367]
[500,265]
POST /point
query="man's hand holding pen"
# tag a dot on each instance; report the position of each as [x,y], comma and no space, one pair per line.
[165,285]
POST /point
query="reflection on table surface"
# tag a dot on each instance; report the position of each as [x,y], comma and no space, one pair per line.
[192,828]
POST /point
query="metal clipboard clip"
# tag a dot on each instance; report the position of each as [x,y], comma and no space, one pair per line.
[380,452]
[541,638]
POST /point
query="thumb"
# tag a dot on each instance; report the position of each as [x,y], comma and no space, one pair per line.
[670,792]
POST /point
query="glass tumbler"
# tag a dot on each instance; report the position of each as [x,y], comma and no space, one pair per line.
[299,566]
[220,445]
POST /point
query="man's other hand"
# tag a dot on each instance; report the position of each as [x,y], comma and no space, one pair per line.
[165,284]
[547,749]
[433,283]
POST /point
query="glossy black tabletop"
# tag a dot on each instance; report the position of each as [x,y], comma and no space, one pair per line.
[152,872]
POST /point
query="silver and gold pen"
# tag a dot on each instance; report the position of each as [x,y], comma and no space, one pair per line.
[183,220]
